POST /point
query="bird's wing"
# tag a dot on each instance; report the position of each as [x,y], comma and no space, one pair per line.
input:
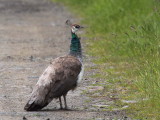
[41,89]
[59,77]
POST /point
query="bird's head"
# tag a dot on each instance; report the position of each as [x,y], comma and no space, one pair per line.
[74,27]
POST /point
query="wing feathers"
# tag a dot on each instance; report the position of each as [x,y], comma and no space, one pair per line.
[59,77]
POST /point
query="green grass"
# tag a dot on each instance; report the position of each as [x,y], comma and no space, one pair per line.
[125,34]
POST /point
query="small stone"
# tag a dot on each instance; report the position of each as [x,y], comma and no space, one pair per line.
[96,94]
[125,117]
[99,119]
[95,88]
[125,107]
[100,106]
[24,118]
[129,101]
[31,58]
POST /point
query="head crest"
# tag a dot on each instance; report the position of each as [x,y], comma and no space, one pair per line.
[68,22]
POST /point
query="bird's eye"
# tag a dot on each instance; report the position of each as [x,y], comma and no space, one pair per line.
[77,26]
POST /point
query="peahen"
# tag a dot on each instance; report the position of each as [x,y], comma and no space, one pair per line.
[63,74]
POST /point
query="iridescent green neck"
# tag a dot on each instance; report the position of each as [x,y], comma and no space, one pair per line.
[75,47]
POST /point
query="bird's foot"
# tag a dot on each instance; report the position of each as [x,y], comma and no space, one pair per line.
[66,108]
[61,108]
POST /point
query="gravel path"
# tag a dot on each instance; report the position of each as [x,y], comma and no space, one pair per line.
[32,32]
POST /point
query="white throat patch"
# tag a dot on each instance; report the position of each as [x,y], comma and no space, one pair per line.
[74,29]
[80,76]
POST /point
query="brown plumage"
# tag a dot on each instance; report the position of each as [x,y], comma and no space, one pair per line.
[59,77]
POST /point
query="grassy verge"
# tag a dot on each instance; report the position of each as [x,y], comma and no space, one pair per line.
[125,35]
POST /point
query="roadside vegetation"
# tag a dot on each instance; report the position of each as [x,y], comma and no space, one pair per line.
[124,36]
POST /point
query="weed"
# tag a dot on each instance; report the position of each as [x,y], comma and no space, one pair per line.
[125,34]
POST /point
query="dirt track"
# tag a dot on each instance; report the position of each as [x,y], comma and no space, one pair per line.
[32,32]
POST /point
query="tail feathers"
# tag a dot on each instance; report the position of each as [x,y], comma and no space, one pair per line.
[34,107]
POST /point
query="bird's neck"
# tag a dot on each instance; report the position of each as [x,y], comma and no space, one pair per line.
[75,46]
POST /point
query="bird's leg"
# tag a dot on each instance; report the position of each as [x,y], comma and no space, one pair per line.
[65,103]
[60,103]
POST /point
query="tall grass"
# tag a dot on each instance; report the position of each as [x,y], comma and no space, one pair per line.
[126,33]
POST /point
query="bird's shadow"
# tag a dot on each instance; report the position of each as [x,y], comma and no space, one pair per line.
[57,110]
